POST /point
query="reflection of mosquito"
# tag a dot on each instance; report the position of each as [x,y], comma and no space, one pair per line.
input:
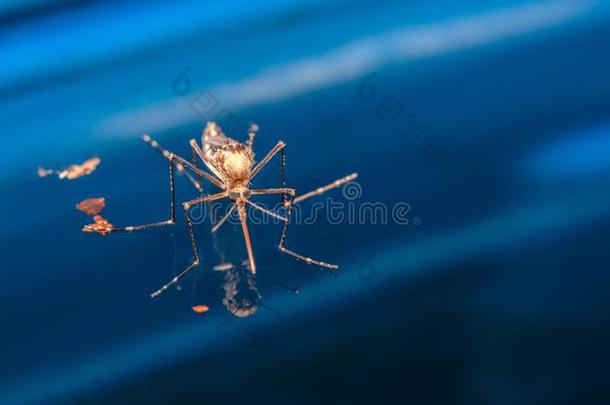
[232,167]
[241,296]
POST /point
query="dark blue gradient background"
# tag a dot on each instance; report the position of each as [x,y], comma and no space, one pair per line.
[499,296]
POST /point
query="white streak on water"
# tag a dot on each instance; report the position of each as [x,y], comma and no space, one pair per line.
[351,61]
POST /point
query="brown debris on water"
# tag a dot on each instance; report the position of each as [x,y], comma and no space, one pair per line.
[200,309]
[42,172]
[91,206]
[74,171]
[101,226]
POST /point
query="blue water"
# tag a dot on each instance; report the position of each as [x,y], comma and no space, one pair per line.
[490,120]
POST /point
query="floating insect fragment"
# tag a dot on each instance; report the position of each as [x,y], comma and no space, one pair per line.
[101,226]
[42,172]
[74,171]
[91,206]
[200,309]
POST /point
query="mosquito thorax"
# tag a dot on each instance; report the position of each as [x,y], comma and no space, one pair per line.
[229,159]
[235,160]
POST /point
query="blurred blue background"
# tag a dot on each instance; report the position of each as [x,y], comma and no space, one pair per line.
[490,119]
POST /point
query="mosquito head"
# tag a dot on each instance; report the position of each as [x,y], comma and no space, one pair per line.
[241,193]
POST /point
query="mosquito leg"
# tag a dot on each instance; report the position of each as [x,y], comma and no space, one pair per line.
[224,218]
[199,172]
[187,205]
[198,180]
[289,205]
[184,163]
[251,134]
[244,226]
[172,218]
[155,145]
[201,155]
[283,173]
[265,191]
[282,248]
[279,146]
[323,189]
[294,290]
[266,211]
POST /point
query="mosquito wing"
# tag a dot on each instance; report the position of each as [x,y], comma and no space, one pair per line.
[213,140]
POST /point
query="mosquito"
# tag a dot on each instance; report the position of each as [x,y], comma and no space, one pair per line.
[231,167]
